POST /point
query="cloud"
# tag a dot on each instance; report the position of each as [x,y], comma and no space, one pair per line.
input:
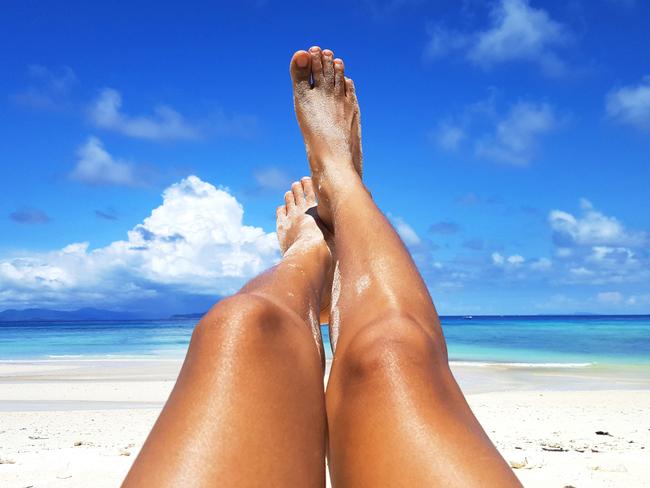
[592,229]
[448,136]
[443,41]
[28,215]
[164,124]
[591,249]
[581,262]
[516,32]
[444,228]
[520,32]
[617,259]
[595,248]
[516,136]
[630,104]
[512,261]
[95,166]
[510,137]
[272,178]
[195,242]
[49,88]
[406,232]
[541,264]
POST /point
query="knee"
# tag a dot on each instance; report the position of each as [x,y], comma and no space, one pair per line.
[390,346]
[242,317]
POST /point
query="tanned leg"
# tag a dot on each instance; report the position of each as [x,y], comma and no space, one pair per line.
[248,407]
[316,78]
[395,413]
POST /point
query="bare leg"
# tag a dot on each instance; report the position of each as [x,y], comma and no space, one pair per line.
[248,407]
[395,413]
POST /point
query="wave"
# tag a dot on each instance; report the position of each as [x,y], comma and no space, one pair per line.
[484,364]
[95,357]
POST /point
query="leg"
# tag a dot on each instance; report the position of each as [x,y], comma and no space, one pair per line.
[248,407]
[395,413]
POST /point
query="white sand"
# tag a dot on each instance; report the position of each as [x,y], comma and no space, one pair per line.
[81,423]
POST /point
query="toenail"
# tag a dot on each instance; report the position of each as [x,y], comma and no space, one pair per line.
[327,52]
[301,61]
[314,49]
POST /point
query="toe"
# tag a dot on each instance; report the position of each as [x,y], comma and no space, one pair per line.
[298,195]
[316,65]
[349,89]
[300,69]
[289,201]
[328,68]
[339,77]
[281,212]
[308,189]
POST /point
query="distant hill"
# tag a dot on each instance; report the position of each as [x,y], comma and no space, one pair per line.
[43,314]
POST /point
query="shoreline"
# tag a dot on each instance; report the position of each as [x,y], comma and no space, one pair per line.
[107,383]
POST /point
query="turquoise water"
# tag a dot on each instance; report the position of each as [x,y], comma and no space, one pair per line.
[567,340]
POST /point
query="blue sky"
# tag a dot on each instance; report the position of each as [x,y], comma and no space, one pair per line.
[508,141]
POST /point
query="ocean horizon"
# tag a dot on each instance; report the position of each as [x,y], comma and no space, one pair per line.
[570,341]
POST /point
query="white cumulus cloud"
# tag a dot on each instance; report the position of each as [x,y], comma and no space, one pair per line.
[596,248]
[194,242]
[593,228]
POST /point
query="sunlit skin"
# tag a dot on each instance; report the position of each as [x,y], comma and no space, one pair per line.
[249,409]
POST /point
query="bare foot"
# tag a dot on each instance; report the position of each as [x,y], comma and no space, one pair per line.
[328,113]
[300,230]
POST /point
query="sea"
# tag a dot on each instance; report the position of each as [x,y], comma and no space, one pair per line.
[538,341]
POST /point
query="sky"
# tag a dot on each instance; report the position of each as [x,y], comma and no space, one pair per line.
[145,145]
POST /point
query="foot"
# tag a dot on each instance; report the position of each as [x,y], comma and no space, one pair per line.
[300,231]
[328,115]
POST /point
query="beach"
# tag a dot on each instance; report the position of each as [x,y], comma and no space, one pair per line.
[81,422]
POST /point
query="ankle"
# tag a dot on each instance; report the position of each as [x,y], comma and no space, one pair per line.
[336,180]
[317,251]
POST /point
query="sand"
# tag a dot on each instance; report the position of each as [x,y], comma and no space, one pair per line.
[81,423]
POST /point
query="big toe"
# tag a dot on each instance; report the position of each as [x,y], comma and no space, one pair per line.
[300,70]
